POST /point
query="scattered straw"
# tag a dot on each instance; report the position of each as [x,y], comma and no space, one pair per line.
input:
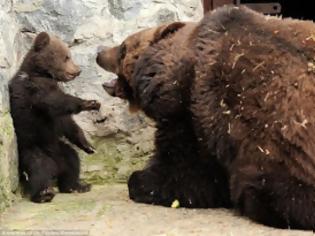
[259,66]
[236,59]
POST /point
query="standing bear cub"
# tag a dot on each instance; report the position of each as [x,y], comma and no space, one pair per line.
[233,100]
[41,114]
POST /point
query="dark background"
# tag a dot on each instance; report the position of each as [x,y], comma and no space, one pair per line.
[302,9]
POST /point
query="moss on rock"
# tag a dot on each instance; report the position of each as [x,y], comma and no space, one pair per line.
[8,161]
[116,158]
[110,163]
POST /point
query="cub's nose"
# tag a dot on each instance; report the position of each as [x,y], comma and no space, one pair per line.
[101,48]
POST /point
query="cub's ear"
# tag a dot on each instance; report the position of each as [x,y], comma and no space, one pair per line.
[41,41]
[166,30]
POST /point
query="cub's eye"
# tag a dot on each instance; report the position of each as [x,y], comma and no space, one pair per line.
[67,58]
[122,52]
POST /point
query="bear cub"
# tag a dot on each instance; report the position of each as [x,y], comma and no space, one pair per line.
[42,116]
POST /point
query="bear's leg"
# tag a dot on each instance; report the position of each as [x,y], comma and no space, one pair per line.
[195,186]
[274,198]
[69,165]
[145,186]
[38,171]
[178,172]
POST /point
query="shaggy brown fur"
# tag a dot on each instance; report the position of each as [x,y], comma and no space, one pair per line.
[240,88]
[41,113]
[176,170]
[259,115]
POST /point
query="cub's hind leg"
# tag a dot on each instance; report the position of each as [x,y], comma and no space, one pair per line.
[69,168]
[38,171]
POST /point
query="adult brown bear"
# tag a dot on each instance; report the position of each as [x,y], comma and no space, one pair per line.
[233,100]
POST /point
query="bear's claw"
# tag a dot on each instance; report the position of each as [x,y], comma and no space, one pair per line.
[43,196]
[89,149]
[91,105]
[78,188]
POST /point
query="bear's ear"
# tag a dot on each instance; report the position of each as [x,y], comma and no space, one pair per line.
[166,30]
[41,41]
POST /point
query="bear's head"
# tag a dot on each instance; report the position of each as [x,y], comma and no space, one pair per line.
[51,57]
[121,60]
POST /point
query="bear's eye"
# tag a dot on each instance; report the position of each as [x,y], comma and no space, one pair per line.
[122,52]
[67,58]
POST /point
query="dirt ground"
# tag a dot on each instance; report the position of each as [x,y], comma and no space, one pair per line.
[107,211]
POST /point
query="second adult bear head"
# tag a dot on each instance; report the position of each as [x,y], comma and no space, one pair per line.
[122,59]
[50,57]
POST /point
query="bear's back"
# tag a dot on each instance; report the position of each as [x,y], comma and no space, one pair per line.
[259,76]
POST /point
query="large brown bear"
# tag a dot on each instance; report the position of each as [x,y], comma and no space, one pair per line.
[232,97]
[41,114]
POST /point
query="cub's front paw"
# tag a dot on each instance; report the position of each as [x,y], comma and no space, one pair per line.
[90,105]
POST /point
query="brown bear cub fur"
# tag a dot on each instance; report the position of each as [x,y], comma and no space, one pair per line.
[232,97]
[41,113]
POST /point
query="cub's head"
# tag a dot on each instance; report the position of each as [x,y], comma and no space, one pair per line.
[121,60]
[50,56]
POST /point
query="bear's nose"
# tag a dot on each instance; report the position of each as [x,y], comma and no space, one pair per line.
[76,72]
[101,48]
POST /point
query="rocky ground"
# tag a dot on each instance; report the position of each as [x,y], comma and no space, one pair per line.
[107,211]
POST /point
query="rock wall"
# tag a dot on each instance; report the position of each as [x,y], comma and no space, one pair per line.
[123,141]
[8,156]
